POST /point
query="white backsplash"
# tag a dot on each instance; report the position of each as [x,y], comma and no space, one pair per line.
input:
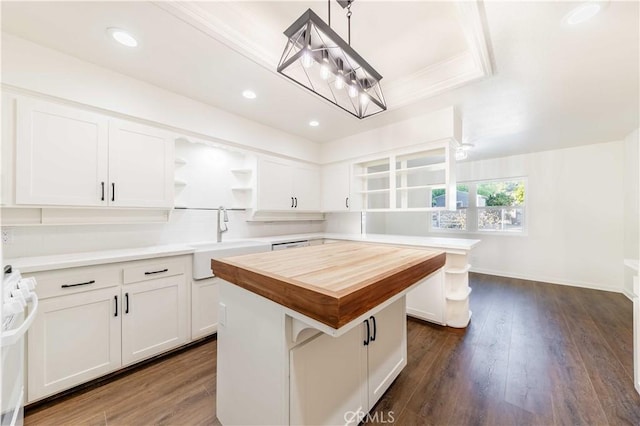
[184,226]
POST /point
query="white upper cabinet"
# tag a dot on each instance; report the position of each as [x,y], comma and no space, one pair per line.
[71,157]
[338,191]
[287,186]
[61,155]
[141,163]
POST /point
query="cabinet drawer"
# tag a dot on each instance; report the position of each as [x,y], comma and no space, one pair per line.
[63,282]
[153,270]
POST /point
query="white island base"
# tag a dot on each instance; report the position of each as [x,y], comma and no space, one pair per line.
[278,367]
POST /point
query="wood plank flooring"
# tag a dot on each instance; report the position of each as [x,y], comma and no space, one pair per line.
[533,353]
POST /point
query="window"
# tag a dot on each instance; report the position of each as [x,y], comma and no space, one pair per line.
[501,206]
[483,206]
[447,219]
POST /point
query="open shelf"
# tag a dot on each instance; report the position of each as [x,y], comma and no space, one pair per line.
[242,188]
[427,168]
[375,191]
[180,161]
[375,174]
[408,188]
[460,297]
[179,182]
[462,270]
[242,171]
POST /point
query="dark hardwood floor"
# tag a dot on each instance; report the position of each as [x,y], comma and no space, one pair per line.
[533,353]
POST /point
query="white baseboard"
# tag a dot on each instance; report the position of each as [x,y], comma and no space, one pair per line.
[549,280]
[627,293]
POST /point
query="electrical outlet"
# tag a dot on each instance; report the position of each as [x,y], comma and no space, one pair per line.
[7,236]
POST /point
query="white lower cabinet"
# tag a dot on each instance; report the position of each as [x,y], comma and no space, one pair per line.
[204,307]
[154,317]
[73,339]
[337,380]
[94,320]
[427,301]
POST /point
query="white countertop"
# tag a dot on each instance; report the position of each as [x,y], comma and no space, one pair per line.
[71,260]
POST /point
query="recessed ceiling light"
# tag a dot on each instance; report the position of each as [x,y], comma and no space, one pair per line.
[583,12]
[122,37]
[249,94]
[314,123]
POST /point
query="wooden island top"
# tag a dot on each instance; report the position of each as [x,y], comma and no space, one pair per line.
[331,283]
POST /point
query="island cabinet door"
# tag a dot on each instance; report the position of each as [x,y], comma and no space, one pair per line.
[328,380]
[387,354]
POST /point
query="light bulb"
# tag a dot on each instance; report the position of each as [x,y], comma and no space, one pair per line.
[353,91]
[325,72]
[339,82]
[307,59]
[364,99]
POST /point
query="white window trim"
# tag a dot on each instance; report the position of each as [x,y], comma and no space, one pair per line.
[472,211]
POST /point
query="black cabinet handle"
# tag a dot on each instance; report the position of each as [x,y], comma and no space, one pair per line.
[366,342]
[346,202]
[296,202]
[291,202]
[79,284]
[113,191]
[156,272]
[116,299]
[126,303]
[375,329]
[102,196]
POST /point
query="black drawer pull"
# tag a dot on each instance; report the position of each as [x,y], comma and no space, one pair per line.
[156,272]
[291,202]
[126,303]
[366,342]
[77,285]
[102,197]
[375,329]
[346,202]
[113,191]
[116,300]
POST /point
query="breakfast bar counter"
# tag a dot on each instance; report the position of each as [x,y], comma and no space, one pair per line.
[313,335]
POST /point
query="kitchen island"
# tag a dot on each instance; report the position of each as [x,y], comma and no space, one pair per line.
[313,335]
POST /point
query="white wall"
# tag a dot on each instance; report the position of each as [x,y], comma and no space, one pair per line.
[575,218]
[32,67]
[631,215]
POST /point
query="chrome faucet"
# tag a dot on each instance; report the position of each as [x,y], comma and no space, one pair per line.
[222,226]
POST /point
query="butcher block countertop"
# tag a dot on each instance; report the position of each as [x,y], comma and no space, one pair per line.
[331,283]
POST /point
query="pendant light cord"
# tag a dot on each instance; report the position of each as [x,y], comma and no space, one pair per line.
[349,23]
[329,11]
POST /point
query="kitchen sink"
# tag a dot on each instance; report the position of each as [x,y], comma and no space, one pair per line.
[206,251]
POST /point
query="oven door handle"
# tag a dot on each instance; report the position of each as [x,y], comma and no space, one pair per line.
[12,336]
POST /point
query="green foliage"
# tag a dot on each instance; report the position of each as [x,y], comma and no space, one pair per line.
[518,194]
[500,199]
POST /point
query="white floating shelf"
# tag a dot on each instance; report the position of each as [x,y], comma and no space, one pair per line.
[179,182]
[460,297]
[244,188]
[245,171]
[463,270]
[180,160]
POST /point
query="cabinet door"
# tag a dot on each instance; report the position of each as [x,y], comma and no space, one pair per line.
[73,339]
[61,155]
[154,317]
[426,301]
[204,307]
[387,354]
[141,163]
[335,188]
[275,187]
[306,188]
[316,367]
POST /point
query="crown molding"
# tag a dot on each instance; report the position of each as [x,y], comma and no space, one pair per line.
[236,29]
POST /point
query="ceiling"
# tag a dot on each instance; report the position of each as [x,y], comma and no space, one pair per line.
[521,79]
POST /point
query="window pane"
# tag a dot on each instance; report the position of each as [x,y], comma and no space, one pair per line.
[501,193]
[508,219]
[446,219]
[438,197]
